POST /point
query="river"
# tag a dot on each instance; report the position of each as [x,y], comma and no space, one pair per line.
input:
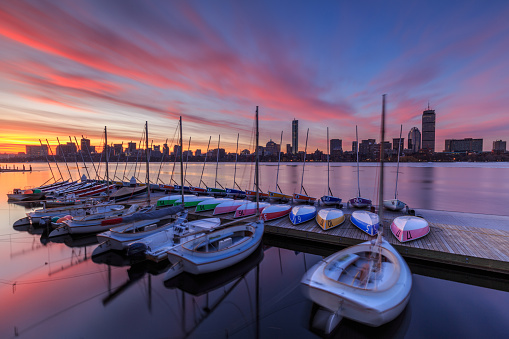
[55,290]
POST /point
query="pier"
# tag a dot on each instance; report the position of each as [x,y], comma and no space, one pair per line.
[468,240]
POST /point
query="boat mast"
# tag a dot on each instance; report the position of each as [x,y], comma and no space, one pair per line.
[54,157]
[256,168]
[182,164]
[304,164]
[47,160]
[147,161]
[187,161]
[65,160]
[328,156]
[118,160]
[217,160]
[278,161]
[76,158]
[82,158]
[357,149]
[204,162]
[107,158]
[236,155]
[381,192]
[90,156]
[397,168]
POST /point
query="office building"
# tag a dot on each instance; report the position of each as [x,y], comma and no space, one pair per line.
[131,148]
[498,146]
[414,140]
[335,146]
[288,149]
[85,145]
[463,145]
[428,130]
[36,150]
[295,136]
[67,149]
[398,143]
[271,148]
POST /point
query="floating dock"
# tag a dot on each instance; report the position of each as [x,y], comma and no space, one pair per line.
[474,241]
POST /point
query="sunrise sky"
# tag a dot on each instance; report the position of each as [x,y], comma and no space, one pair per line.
[69,68]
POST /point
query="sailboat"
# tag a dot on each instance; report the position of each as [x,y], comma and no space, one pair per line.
[275,195]
[215,190]
[198,189]
[369,283]
[302,213]
[220,248]
[329,198]
[299,197]
[407,227]
[358,201]
[210,204]
[396,204]
[234,192]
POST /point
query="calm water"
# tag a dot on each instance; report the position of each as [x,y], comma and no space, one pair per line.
[55,290]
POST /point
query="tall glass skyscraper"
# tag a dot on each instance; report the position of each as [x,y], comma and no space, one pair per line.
[295,136]
[414,140]
[428,130]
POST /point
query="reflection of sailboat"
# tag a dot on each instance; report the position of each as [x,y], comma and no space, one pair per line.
[358,201]
[369,282]
[396,204]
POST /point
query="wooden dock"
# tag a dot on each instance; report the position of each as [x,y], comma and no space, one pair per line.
[453,238]
[470,240]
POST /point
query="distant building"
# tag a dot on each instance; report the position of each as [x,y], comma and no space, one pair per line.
[197,153]
[131,148]
[428,130]
[367,147]
[85,146]
[354,146]
[176,150]
[67,149]
[222,153]
[335,146]
[498,146]
[295,136]
[398,143]
[271,148]
[187,154]
[288,149]
[245,152]
[166,150]
[157,148]
[463,145]
[414,140]
[36,150]
[117,149]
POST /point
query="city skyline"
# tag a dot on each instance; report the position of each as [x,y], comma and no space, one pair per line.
[61,77]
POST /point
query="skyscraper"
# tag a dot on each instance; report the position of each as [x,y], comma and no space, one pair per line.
[295,136]
[414,140]
[428,130]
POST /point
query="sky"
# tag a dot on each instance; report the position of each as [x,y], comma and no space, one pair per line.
[70,68]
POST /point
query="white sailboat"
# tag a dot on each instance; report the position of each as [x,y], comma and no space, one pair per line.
[396,204]
[220,248]
[359,201]
[369,283]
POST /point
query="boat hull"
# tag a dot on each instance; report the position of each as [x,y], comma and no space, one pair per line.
[275,212]
[229,206]
[252,195]
[210,204]
[394,204]
[279,196]
[249,209]
[302,198]
[366,221]
[330,200]
[192,201]
[196,262]
[406,228]
[301,214]
[359,202]
[370,306]
[328,218]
